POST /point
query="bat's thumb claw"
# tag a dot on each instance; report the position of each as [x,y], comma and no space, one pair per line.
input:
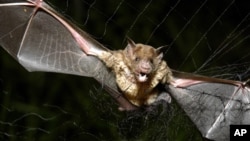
[121,109]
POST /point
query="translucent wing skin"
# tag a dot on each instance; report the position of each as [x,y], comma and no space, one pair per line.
[41,43]
[214,106]
[42,40]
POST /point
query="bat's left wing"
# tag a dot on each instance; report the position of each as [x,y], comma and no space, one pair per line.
[40,39]
[213,104]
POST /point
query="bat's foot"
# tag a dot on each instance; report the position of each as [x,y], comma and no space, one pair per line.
[164,96]
[161,104]
[158,108]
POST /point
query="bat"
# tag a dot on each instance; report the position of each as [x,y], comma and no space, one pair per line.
[212,104]
[138,69]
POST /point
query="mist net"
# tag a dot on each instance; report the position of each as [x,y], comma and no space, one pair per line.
[204,37]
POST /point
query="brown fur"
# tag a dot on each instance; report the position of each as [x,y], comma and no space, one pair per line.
[138,58]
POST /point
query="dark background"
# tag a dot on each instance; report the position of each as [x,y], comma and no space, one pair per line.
[205,37]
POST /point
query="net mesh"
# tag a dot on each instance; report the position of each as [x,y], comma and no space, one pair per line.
[204,37]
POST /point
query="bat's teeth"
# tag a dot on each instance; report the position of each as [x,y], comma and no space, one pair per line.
[143,77]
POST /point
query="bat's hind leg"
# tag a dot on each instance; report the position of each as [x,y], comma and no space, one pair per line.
[165,97]
[163,100]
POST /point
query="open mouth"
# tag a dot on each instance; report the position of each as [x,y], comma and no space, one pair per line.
[142,77]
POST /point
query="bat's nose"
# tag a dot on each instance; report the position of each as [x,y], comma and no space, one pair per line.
[145,68]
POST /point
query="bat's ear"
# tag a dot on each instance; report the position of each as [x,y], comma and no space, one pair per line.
[160,51]
[131,42]
[130,47]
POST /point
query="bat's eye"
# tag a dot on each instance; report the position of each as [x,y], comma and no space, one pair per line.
[137,59]
[151,61]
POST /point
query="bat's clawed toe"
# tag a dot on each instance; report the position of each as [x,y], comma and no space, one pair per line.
[165,97]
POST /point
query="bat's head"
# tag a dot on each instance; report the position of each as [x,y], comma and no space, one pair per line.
[143,60]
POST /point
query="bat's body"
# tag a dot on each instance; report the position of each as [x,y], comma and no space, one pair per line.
[138,69]
[212,104]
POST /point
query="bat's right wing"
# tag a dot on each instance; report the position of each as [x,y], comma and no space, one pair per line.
[40,39]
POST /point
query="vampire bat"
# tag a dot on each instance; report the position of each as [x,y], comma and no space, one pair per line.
[212,104]
[138,69]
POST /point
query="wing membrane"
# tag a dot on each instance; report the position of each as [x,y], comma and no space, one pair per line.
[42,40]
[213,107]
